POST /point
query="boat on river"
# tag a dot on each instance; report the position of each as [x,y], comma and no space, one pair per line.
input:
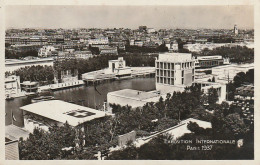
[42,98]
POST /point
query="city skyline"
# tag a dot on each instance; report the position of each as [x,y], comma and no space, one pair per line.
[164,17]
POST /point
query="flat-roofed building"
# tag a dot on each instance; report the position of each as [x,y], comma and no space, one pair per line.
[29,87]
[220,87]
[133,98]
[226,73]
[12,86]
[47,51]
[210,61]
[107,50]
[11,148]
[98,41]
[56,112]
[174,71]
[14,64]
[119,68]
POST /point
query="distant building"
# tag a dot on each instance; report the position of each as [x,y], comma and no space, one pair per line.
[66,76]
[83,54]
[108,51]
[210,61]
[26,40]
[119,68]
[98,41]
[150,30]
[172,46]
[244,99]
[174,71]
[235,30]
[29,87]
[47,51]
[12,86]
[14,64]
[142,28]
[138,43]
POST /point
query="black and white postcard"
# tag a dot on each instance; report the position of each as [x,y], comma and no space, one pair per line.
[122,81]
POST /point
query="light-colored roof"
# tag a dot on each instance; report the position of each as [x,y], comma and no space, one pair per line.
[14,132]
[133,94]
[175,57]
[60,111]
[15,61]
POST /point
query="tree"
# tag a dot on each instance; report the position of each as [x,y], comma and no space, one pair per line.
[165,123]
[239,79]
[213,79]
[201,114]
[212,97]
[234,125]
[42,145]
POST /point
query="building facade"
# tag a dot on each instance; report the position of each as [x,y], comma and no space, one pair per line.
[210,61]
[174,71]
[12,86]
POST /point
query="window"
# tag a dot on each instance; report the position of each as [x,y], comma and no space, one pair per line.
[172,66]
[182,73]
[161,80]
[169,66]
[172,73]
[161,72]
[172,81]
[182,81]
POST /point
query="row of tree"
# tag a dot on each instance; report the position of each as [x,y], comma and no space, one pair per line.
[225,126]
[236,54]
[10,54]
[42,74]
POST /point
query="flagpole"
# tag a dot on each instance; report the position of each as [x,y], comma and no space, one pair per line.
[12,116]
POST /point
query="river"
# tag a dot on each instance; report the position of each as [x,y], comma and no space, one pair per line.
[83,95]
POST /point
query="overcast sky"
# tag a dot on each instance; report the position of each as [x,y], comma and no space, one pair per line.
[129,16]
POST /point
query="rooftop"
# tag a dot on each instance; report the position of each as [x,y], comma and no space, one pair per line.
[16,61]
[13,132]
[133,94]
[62,111]
[175,57]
